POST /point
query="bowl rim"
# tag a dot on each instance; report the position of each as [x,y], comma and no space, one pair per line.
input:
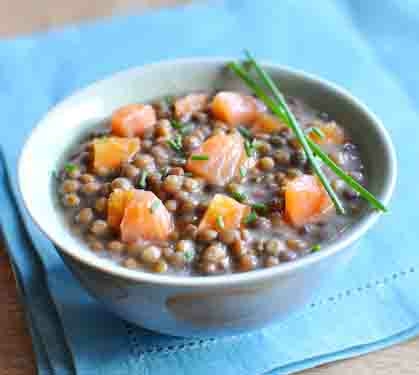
[358,229]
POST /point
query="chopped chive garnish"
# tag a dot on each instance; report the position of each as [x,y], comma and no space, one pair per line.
[186,129]
[315,248]
[316,131]
[249,148]
[199,157]
[245,132]
[176,124]
[69,168]
[142,182]
[239,197]
[260,207]
[154,206]
[251,218]
[176,143]
[188,255]
[243,171]
[220,222]
[188,174]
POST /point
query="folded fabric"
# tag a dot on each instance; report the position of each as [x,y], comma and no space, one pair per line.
[367,47]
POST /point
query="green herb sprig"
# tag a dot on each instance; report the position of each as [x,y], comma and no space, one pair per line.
[279,108]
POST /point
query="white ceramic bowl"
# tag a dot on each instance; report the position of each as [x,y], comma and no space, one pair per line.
[196,306]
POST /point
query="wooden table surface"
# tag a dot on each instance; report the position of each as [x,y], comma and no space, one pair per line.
[16,356]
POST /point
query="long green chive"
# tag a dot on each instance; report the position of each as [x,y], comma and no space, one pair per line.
[243,171]
[154,206]
[69,167]
[239,197]
[316,131]
[364,193]
[260,207]
[199,157]
[280,109]
[220,222]
[251,218]
[142,182]
[245,132]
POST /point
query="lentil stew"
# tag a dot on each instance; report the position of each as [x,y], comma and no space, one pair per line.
[204,184]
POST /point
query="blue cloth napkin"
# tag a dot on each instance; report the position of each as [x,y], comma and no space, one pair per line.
[371,48]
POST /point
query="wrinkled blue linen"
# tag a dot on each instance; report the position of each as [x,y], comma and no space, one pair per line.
[370,48]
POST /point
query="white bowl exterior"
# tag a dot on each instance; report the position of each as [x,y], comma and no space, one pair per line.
[187,305]
[208,311]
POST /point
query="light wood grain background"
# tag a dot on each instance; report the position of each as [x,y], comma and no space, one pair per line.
[16,357]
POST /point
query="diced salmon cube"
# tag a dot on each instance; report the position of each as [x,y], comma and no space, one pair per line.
[306,201]
[225,154]
[146,218]
[133,120]
[190,104]
[228,209]
[234,108]
[267,123]
[111,152]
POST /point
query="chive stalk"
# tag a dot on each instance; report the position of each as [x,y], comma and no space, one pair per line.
[281,110]
[286,116]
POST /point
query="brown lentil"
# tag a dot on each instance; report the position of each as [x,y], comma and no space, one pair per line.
[116,246]
[121,183]
[151,254]
[70,186]
[85,216]
[172,183]
[99,228]
[86,178]
[271,261]
[266,163]
[207,235]
[229,236]
[101,205]
[247,262]
[71,200]
[90,188]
